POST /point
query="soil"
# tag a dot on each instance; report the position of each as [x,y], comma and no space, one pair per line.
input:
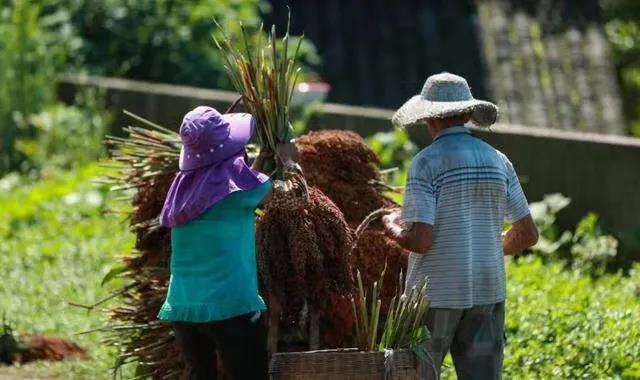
[49,348]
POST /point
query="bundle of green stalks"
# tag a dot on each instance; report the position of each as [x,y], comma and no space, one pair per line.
[265,74]
[303,238]
[403,327]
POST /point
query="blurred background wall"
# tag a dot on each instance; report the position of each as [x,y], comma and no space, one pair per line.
[546,63]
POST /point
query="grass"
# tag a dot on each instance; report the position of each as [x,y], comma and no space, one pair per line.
[55,247]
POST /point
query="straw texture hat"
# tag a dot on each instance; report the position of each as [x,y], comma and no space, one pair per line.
[445,95]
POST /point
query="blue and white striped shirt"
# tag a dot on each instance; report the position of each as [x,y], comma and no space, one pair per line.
[466,189]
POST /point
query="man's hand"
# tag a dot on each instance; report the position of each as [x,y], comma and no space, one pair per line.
[522,235]
[417,237]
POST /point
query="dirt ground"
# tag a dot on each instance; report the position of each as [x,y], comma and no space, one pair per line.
[30,372]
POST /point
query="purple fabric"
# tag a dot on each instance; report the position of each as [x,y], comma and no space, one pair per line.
[212,164]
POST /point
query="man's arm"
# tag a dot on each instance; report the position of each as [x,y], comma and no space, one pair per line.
[522,235]
[417,237]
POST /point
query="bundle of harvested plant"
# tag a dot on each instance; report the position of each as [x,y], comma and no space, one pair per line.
[303,239]
[341,165]
[303,253]
[265,74]
[146,162]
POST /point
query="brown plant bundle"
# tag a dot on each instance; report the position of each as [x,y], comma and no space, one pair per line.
[303,253]
[342,165]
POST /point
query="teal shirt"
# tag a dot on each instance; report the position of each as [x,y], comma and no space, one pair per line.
[213,262]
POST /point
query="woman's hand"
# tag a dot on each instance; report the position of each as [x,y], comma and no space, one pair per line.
[258,163]
[287,152]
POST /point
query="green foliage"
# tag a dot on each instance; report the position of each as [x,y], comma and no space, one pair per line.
[164,41]
[588,249]
[623,31]
[591,249]
[544,215]
[394,148]
[55,246]
[33,48]
[563,325]
[67,136]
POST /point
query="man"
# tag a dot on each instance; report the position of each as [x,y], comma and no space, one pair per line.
[459,192]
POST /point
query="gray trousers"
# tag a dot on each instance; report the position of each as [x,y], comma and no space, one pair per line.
[475,338]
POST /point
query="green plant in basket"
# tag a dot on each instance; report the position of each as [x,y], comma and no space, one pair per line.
[404,325]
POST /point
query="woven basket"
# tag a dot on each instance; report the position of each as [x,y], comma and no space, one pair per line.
[344,364]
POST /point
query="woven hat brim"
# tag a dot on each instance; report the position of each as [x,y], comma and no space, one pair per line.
[417,109]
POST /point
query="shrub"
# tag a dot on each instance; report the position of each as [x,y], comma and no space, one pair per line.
[164,41]
[33,48]
[587,249]
[561,324]
[67,136]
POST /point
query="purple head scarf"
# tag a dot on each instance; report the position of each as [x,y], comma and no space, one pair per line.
[212,164]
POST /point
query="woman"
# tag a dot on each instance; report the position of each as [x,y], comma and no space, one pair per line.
[213,299]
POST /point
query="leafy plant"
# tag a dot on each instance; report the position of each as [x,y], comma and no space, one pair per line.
[403,327]
[591,249]
[587,249]
[544,215]
[67,136]
[32,51]
[395,148]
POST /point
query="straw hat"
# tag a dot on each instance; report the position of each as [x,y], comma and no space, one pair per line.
[445,95]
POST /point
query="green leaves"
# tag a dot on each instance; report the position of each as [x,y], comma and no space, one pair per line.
[562,324]
[403,327]
[112,274]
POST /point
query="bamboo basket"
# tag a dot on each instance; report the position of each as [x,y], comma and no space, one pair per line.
[344,364]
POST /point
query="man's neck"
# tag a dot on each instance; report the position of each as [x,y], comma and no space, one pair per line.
[435,129]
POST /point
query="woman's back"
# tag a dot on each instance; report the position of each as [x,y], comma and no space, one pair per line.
[213,262]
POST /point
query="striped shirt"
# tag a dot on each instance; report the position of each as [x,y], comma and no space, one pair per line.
[465,189]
